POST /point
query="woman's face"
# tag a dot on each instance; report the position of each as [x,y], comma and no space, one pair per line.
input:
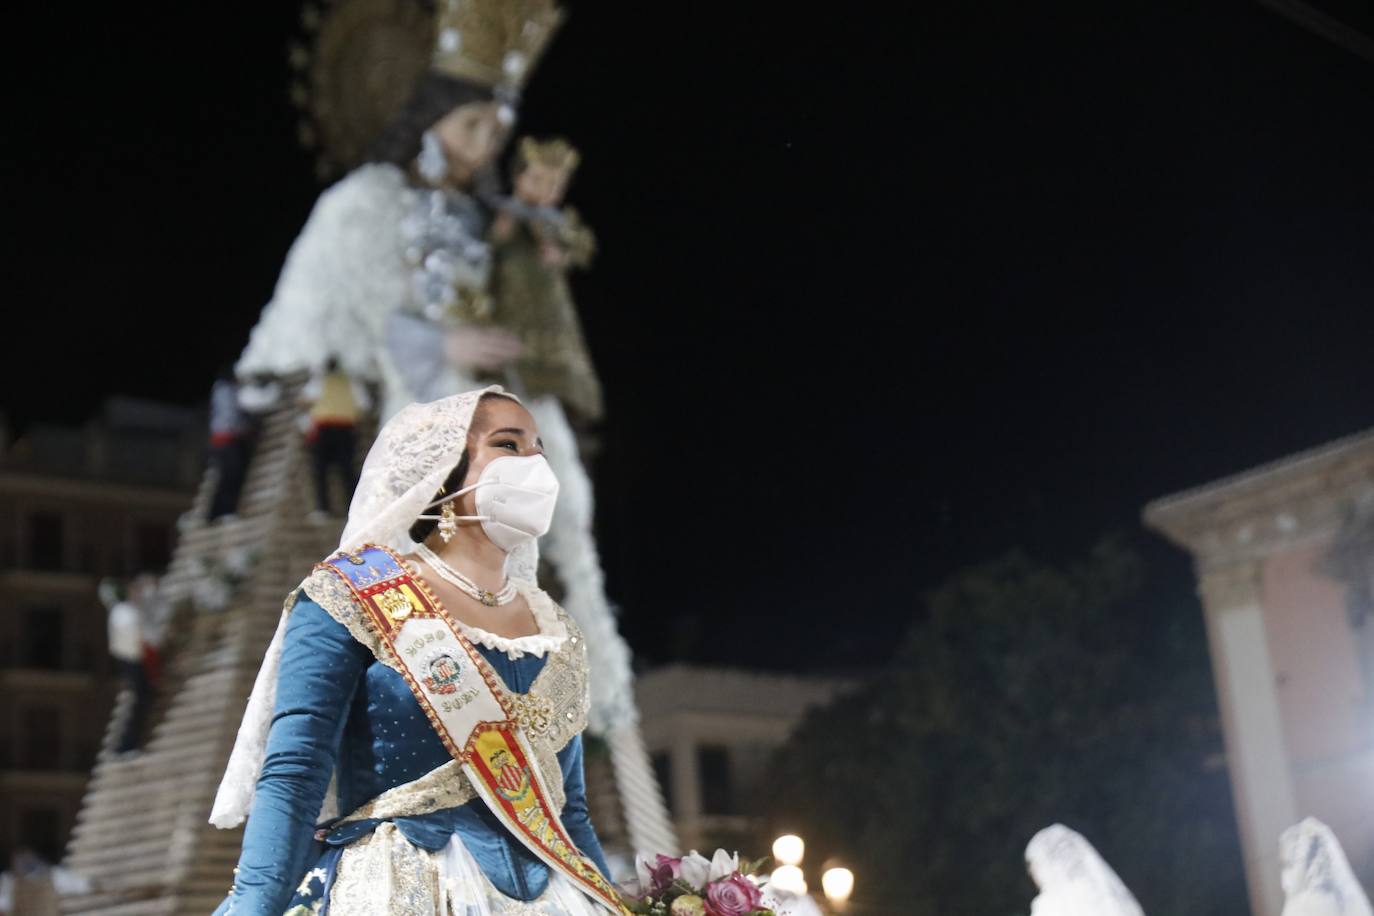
[470,135]
[500,428]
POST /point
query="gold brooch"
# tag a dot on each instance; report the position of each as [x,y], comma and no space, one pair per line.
[532,715]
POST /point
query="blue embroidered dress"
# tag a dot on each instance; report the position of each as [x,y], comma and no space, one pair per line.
[340,710]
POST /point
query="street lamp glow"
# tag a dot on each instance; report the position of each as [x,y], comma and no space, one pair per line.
[838,884]
[788,878]
[788,849]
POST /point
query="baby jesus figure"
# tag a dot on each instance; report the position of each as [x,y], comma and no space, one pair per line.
[542,173]
[535,242]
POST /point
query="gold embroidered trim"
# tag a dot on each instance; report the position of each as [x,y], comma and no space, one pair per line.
[383,873]
[443,787]
[563,685]
[331,592]
[446,787]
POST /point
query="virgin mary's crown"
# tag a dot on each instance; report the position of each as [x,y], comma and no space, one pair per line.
[365,58]
[493,43]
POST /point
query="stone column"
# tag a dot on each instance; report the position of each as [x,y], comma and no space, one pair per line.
[1247,689]
[686,791]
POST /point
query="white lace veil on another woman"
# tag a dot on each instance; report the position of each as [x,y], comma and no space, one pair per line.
[414,453]
[1317,878]
[1073,879]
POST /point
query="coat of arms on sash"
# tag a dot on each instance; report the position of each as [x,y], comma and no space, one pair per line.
[511,779]
[445,673]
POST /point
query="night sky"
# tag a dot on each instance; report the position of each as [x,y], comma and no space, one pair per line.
[884,291]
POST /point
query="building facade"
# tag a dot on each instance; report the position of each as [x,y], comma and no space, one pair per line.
[1285,564]
[76,504]
[711,733]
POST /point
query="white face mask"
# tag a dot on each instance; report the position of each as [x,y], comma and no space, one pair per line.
[515,498]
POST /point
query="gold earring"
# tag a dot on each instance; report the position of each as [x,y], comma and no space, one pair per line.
[448,522]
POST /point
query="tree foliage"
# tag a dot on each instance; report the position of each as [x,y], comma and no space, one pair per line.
[1025,695]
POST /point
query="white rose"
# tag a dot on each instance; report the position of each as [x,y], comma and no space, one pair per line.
[642,872]
[723,865]
[696,870]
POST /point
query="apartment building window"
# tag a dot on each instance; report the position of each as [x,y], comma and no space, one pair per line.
[154,546]
[713,768]
[45,541]
[40,829]
[86,559]
[41,639]
[40,747]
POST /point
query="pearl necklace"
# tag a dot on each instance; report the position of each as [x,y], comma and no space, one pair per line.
[465,585]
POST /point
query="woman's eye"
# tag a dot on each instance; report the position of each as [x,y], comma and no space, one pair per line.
[507,443]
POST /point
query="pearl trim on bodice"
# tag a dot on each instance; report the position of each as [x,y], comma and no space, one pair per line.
[551,636]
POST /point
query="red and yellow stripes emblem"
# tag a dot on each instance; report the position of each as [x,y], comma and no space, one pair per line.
[503,773]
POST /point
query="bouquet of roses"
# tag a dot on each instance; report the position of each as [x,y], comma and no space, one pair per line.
[692,885]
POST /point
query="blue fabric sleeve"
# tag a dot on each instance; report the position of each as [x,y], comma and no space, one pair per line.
[575,817]
[321,664]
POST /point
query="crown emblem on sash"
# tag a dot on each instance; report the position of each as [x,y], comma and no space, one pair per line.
[395,603]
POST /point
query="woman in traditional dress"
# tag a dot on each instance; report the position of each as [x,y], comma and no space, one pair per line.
[1317,878]
[1073,879]
[442,689]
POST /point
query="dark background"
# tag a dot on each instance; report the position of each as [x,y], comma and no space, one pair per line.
[884,290]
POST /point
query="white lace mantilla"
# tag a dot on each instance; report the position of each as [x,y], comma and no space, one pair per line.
[1073,879]
[1317,877]
[411,457]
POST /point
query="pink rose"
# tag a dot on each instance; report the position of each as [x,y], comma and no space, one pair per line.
[733,896]
[663,871]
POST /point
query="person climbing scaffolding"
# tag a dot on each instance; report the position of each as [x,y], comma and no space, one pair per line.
[336,402]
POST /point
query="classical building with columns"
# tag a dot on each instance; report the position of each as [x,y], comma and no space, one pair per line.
[711,733]
[1285,563]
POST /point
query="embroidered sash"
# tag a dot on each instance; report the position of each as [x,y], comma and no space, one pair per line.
[460,694]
